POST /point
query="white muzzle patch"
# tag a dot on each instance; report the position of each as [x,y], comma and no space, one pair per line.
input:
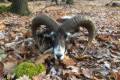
[59,52]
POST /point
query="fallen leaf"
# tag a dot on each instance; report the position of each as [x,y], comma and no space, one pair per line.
[104,38]
[87,73]
[24,78]
[1,69]
[2,26]
[116,74]
[68,61]
[9,66]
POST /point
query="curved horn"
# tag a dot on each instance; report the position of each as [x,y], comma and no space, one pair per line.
[43,20]
[73,24]
[50,24]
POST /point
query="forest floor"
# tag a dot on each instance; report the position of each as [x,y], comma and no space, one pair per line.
[101,61]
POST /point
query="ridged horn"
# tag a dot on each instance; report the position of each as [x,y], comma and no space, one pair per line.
[43,43]
[43,20]
[73,24]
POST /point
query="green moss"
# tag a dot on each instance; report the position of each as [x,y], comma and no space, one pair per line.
[4,8]
[28,68]
[40,68]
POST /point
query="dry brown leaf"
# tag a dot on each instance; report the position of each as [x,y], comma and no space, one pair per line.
[104,37]
[68,61]
[2,26]
[41,58]
[95,78]
[9,64]
[1,69]
[87,73]
[36,78]
[84,57]
[27,34]
[23,50]
[42,76]
[13,35]
[116,75]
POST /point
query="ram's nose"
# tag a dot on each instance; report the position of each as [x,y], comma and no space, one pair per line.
[59,56]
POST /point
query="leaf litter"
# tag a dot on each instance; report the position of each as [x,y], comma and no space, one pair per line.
[101,61]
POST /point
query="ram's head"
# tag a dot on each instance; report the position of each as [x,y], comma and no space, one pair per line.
[55,35]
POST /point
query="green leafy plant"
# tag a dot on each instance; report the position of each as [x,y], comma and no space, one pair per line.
[4,8]
[29,69]
[40,68]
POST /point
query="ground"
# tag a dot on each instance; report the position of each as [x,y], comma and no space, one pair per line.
[101,61]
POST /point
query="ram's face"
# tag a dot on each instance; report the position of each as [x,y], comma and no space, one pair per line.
[59,38]
[59,45]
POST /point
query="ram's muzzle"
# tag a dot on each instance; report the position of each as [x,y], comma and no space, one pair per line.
[58,44]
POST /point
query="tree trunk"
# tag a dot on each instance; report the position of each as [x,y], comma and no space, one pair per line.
[69,2]
[56,1]
[4,1]
[20,7]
